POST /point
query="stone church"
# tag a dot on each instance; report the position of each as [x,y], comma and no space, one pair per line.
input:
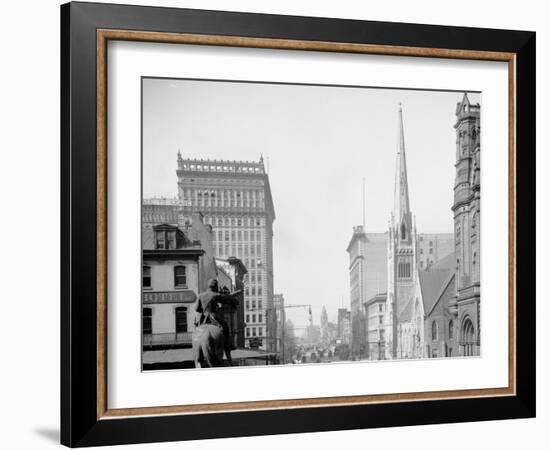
[435,312]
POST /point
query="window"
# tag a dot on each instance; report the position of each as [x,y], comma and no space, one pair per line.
[404,270]
[253,317]
[259,290]
[253,331]
[380,320]
[451,330]
[259,304]
[147,321]
[431,251]
[434,331]
[165,239]
[259,317]
[146,276]
[380,307]
[181,319]
[403,232]
[260,331]
[180,278]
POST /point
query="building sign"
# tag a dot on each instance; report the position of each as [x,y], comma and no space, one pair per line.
[183,296]
[255,342]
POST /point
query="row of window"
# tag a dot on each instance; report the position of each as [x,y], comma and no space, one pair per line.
[252,332]
[253,290]
[180,318]
[223,198]
[180,277]
[435,330]
[222,168]
[251,304]
[253,317]
[239,235]
[160,218]
[238,249]
[234,221]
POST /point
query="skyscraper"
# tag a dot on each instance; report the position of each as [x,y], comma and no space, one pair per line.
[235,200]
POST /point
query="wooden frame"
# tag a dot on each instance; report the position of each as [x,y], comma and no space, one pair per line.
[86,28]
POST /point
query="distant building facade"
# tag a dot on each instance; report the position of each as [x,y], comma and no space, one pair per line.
[431,247]
[280,319]
[375,312]
[344,326]
[367,272]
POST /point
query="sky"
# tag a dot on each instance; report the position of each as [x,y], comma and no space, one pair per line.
[319,142]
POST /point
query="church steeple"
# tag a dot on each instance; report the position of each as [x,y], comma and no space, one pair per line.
[401,206]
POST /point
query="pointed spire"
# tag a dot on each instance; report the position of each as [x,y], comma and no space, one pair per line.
[401,206]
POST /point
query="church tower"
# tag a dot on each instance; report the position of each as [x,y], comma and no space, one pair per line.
[401,249]
[467,226]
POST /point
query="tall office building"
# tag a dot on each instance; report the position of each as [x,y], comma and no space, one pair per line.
[235,199]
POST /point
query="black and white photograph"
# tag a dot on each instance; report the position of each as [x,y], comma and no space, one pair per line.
[253,192]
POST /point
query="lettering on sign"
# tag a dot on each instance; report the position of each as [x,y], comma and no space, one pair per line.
[186,296]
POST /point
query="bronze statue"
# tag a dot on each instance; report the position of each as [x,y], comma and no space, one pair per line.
[211,337]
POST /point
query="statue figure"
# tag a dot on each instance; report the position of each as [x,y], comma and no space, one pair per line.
[211,336]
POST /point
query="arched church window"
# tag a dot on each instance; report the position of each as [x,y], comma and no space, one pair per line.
[451,329]
[434,331]
[468,337]
[403,232]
